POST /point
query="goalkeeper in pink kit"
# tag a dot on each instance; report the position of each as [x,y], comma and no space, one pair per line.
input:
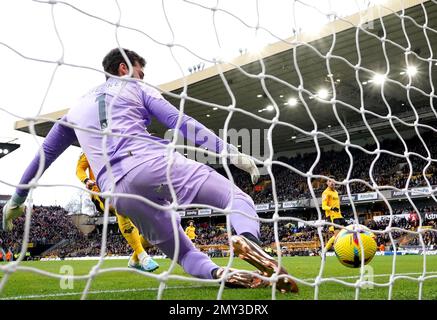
[138,165]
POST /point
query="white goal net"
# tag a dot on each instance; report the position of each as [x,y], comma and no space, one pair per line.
[310,89]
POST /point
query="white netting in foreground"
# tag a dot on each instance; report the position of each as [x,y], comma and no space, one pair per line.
[354,80]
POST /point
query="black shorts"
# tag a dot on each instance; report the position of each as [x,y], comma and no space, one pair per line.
[339,221]
[99,202]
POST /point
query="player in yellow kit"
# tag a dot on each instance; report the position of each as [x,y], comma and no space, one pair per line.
[190,231]
[139,259]
[331,206]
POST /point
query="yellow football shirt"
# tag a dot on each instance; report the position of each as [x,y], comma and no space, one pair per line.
[331,200]
[190,232]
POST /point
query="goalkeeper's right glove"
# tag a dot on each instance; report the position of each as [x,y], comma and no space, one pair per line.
[244,162]
[13,209]
[335,209]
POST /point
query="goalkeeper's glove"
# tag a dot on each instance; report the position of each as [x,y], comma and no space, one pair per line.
[335,209]
[12,210]
[245,163]
[89,183]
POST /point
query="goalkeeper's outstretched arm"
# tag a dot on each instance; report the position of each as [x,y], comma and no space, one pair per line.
[57,141]
[195,131]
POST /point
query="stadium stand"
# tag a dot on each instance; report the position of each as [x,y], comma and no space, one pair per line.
[54,232]
[52,228]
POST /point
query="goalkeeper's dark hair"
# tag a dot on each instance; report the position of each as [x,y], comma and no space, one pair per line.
[113,59]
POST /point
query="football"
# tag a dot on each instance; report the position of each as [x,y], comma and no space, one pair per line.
[347,246]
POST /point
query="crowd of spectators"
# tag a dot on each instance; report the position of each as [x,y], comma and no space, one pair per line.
[404,218]
[388,170]
[51,225]
[90,245]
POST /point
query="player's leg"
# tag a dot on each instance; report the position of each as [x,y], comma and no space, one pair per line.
[140,259]
[330,242]
[246,243]
[99,203]
[146,244]
[246,225]
[339,221]
[331,235]
[156,225]
[192,260]
[130,233]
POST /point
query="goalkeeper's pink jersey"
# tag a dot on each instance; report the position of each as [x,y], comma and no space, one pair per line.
[127,107]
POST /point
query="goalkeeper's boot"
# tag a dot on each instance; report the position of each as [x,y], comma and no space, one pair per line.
[145,263]
[241,279]
[256,256]
[11,212]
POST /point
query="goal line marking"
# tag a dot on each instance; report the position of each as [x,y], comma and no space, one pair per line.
[66,294]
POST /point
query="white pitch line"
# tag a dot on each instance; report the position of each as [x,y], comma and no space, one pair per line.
[66,294]
[380,275]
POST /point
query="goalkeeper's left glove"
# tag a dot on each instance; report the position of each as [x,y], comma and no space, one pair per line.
[12,210]
[89,183]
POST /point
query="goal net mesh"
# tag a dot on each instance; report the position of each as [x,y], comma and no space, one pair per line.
[331,80]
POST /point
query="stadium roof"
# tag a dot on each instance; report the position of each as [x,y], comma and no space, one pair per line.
[6,148]
[207,85]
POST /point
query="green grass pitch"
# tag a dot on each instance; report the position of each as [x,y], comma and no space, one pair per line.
[127,285]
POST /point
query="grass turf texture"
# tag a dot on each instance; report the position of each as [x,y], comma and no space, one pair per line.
[126,285]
